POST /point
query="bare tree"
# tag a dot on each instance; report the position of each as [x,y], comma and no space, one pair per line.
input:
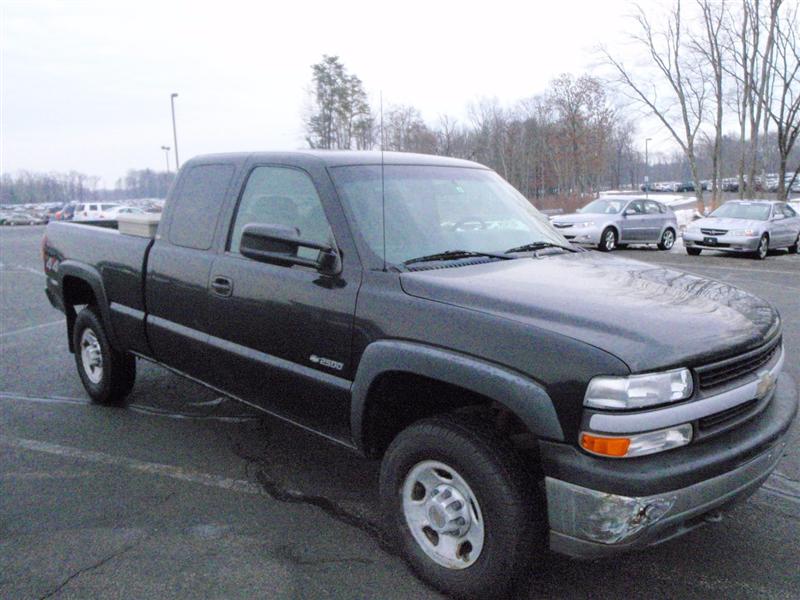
[679,72]
[710,47]
[783,106]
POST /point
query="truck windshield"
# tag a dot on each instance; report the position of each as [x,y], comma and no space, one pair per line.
[433,210]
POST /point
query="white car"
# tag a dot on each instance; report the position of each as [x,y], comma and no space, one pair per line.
[123,210]
[94,211]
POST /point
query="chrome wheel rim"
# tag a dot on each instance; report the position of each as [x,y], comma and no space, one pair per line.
[669,239]
[610,241]
[762,248]
[91,356]
[443,515]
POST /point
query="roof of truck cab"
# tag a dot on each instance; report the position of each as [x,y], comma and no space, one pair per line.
[336,158]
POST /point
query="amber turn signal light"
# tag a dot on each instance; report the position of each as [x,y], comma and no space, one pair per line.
[605,446]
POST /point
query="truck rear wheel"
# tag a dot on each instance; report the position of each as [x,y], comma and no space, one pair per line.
[107,375]
[467,514]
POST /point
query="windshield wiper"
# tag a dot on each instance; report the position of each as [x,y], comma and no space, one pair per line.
[453,255]
[538,246]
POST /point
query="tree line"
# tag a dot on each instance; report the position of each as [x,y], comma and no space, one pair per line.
[25,187]
[723,59]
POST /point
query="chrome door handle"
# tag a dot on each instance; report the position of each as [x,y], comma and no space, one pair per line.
[222,286]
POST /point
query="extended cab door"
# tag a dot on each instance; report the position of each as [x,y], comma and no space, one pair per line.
[176,285]
[281,335]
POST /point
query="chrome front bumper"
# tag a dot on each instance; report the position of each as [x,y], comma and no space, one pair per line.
[586,523]
[730,463]
[725,243]
[581,235]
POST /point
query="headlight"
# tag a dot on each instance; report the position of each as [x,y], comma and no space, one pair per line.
[584,224]
[639,391]
[745,232]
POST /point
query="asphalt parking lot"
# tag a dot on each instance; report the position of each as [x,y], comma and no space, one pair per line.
[186,494]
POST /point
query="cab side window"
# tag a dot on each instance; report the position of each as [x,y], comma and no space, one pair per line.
[282,196]
[197,205]
[788,211]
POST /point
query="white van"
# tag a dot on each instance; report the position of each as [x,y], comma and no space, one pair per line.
[94,211]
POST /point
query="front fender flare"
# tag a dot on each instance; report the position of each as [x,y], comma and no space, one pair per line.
[521,395]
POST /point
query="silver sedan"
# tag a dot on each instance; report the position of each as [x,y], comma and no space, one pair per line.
[745,226]
[615,221]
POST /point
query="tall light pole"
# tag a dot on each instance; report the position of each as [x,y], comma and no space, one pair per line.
[174,129]
[166,150]
[646,169]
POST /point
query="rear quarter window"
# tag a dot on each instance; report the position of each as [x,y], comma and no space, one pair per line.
[197,205]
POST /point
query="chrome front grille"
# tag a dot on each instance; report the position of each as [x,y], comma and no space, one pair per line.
[719,373]
[562,225]
[714,231]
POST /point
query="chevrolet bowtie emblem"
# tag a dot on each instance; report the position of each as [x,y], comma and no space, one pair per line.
[766,382]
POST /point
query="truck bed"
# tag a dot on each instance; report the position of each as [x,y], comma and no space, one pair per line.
[116,261]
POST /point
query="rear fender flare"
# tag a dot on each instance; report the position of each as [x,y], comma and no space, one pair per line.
[92,277]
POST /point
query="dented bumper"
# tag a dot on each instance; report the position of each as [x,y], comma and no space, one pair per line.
[652,499]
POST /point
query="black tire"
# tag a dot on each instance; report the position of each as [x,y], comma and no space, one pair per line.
[117,372]
[795,248]
[763,248]
[608,240]
[667,239]
[513,511]
[693,251]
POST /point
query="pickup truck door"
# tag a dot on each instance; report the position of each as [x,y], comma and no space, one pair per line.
[281,335]
[176,285]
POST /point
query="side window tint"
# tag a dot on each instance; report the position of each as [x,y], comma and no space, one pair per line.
[636,207]
[197,205]
[282,196]
[652,208]
[789,211]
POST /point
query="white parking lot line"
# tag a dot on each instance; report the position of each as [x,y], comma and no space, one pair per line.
[20,269]
[32,328]
[150,468]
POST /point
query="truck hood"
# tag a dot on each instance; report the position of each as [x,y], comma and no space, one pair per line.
[648,316]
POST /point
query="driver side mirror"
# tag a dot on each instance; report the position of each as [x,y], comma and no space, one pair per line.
[628,212]
[279,244]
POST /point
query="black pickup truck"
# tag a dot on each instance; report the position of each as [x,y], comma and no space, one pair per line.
[520,391]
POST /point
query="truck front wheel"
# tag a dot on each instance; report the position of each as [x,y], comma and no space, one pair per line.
[107,375]
[466,511]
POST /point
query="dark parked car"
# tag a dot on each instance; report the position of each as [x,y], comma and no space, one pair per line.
[521,392]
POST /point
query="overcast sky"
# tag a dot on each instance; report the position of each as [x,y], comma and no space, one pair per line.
[86,85]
